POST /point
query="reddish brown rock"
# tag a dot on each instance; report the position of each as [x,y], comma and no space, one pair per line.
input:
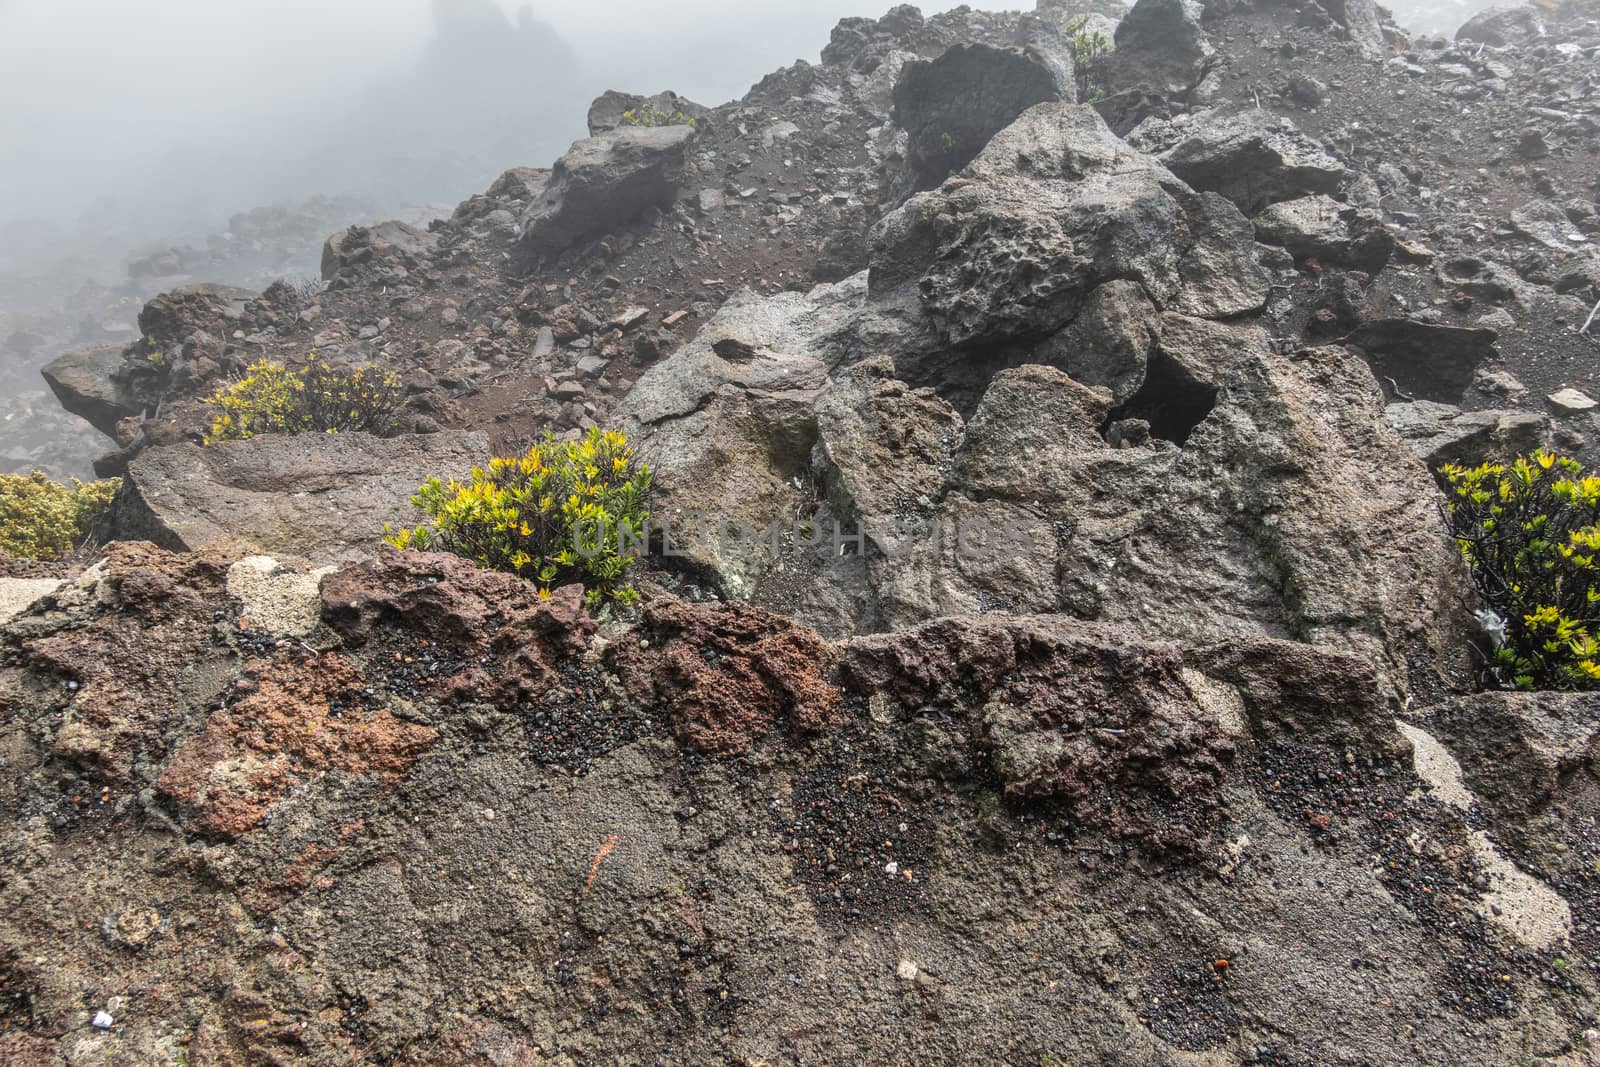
[132,660]
[288,722]
[728,674]
[1303,690]
[510,638]
[1085,717]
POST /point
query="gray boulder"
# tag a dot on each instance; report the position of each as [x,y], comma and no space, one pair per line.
[1424,360]
[1443,433]
[952,106]
[1055,206]
[1362,23]
[614,110]
[1503,26]
[321,497]
[1160,42]
[1021,458]
[1519,751]
[1250,157]
[602,184]
[1548,224]
[397,242]
[1320,227]
[86,385]
[1222,274]
[1108,345]
[884,444]
[728,423]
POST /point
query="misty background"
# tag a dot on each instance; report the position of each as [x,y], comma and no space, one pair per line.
[149,143]
[147,120]
[158,119]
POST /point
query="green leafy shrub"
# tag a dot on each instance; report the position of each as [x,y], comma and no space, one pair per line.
[564,512]
[272,398]
[1530,532]
[647,117]
[42,519]
[1089,49]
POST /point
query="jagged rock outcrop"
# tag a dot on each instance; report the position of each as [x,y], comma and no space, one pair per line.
[86,385]
[611,111]
[684,809]
[952,106]
[602,183]
[394,244]
[1250,158]
[1107,514]
[321,497]
[1502,26]
[1055,206]
[176,315]
[1116,506]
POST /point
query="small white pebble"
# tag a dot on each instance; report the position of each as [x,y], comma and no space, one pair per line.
[488,813]
[906,971]
[103,1020]
[891,867]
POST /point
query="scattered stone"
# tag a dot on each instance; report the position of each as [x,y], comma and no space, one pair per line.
[628,318]
[1319,227]
[1500,383]
[1572,402]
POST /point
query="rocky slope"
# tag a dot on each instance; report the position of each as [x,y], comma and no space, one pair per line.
[1054,654]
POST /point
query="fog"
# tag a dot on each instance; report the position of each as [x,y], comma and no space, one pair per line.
[159,116]
[133,120]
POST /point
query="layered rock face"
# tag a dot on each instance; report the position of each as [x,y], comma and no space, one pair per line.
[1051,651]
[1046,395]
[403,790]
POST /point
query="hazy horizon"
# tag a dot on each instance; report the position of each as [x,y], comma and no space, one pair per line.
[157,118]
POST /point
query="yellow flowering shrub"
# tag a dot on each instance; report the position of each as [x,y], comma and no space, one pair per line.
[564,512]
[647,117]
[42,519]
[273,398]
[1530,531]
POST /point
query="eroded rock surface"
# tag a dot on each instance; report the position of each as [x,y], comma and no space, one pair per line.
[321,497]
[1097,658]
[699,807]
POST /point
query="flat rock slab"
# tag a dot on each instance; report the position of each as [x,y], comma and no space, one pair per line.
[18,594]
[82,382]
[319,497]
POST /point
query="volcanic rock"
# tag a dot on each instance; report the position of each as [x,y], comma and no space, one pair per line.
[318,496]
[603,183]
